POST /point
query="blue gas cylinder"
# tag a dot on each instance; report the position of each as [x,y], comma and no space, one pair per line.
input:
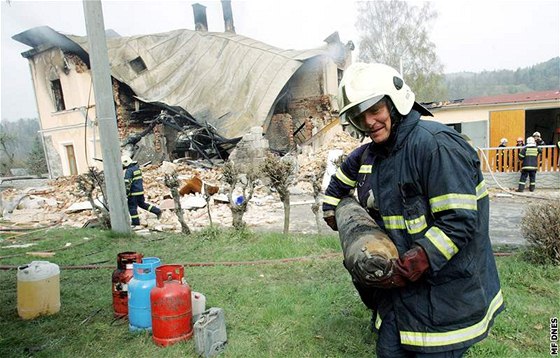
[139,287]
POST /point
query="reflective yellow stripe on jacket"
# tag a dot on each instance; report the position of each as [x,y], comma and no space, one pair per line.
[343,178]
[432,339]
[331,200]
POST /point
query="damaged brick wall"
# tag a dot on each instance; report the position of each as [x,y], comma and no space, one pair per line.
[252,148]
[76,62]
[280,132]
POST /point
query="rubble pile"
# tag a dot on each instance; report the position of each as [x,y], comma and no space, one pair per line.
[60,202]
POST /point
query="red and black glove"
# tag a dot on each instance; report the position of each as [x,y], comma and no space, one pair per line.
[399,272]
[330,219]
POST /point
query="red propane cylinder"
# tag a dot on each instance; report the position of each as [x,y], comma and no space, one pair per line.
[171,306]
[120,279]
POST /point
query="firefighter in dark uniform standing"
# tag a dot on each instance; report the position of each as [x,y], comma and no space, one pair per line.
[529,156]
[422,183]
[135,191]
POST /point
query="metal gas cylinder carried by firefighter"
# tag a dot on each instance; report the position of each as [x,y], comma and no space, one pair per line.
[171,306]
[38,289]
[362,240]
[139,287]
[121,276]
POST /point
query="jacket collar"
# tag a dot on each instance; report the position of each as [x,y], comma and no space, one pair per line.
[407,125]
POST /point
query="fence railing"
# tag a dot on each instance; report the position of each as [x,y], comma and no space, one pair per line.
[506,159]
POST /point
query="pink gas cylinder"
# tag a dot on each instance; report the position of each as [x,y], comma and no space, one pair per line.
[121,276]
[171,306]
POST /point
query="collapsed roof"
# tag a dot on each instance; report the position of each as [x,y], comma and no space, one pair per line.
[225,79]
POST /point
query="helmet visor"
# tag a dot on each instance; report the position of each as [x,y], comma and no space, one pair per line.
[355,116]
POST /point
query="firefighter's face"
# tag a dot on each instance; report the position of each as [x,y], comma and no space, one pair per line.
[378,121]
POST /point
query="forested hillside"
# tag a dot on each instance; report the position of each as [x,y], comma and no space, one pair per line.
[540,77]
[20,146]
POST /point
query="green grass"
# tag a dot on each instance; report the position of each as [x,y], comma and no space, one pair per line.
[306,308]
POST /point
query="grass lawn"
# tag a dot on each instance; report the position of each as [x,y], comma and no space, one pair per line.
[305,308]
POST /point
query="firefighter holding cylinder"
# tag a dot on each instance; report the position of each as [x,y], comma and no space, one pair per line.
[421,184]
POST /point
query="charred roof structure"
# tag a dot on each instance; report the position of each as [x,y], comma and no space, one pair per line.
[196,81]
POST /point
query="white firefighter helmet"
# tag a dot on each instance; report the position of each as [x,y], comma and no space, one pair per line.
[537,134]
[503,141]
[126,160]
[530,141]
[365,84]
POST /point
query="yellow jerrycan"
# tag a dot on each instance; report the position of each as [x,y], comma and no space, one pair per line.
[38,289]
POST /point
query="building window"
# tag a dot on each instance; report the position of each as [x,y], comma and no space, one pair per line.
[58,96]
[138,64]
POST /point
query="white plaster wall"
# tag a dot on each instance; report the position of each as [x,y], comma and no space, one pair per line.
[65,127]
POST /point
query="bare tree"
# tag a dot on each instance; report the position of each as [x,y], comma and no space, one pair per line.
[280,173]
[394,31]
[89,185]
[172,183]
[236,175]
[6,140]
[316,180]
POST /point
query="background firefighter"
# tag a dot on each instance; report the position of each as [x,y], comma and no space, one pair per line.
[421,182]
[529,157]
[135,191]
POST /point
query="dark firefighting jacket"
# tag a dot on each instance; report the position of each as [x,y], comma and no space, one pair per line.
[427,189]
[133,180]
[530,157]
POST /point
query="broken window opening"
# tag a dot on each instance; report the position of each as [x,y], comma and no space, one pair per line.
[138,65]
[56,88]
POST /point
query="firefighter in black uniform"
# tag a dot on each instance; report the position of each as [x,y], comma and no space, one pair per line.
[529,156]
[422,183]
[135,191]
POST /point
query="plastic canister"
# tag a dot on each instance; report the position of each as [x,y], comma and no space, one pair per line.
[139,287]
[210,332]
[198,305]
[38,289]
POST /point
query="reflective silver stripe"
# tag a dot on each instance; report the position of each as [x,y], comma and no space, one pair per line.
[137,193]
[429,339]
[481,190]
[343,178]
[453,201]
[331,200]
[365,169]
[415,226]
[395,222]
[442,242]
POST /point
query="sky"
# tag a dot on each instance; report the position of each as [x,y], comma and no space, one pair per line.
[470,35]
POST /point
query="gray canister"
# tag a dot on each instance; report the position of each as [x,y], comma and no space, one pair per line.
[210,332]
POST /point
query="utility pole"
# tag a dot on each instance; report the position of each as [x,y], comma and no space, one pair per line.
[106,117]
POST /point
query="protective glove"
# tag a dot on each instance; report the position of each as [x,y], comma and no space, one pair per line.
[330,219]
[399,272]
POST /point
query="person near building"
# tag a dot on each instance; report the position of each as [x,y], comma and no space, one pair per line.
[529,157]
[135,191]
[519,142]
[538,139]
[422,184]
[558,147]
[502,156]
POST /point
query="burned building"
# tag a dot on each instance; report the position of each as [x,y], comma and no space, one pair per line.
[182,93]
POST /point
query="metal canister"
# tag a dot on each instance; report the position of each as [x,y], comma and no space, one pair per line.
[171,306]
[121,276]
[139,287]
